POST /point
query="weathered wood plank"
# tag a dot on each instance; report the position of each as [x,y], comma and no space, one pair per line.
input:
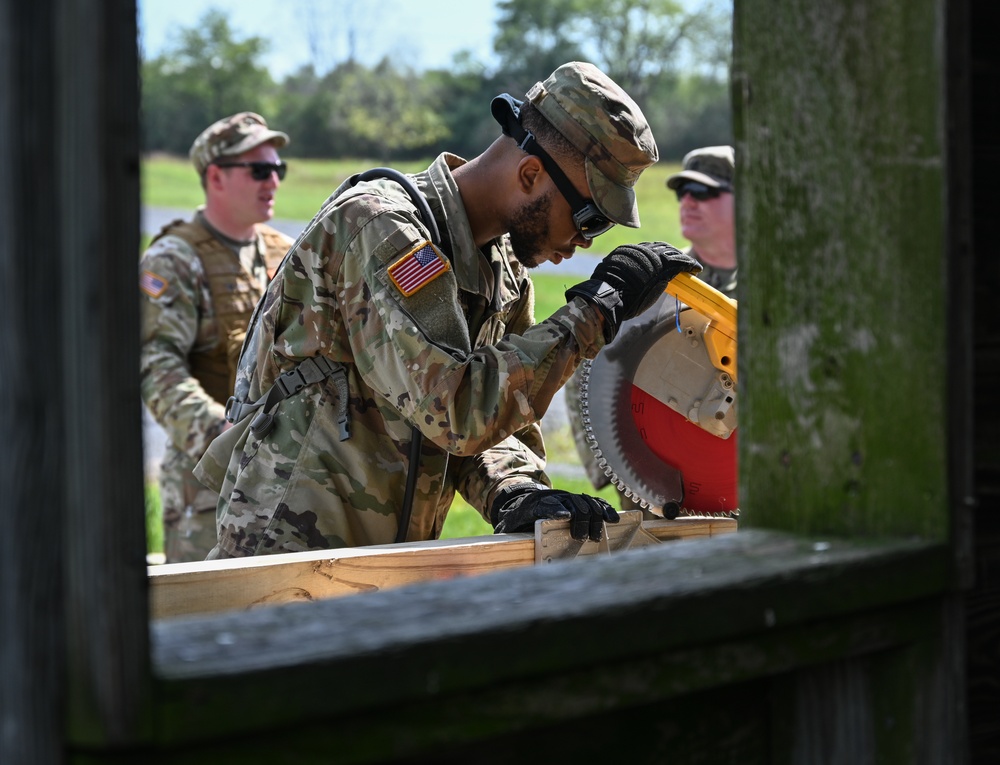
[691,700]
[95,92]
[191,588]
[446,637]
[73,609]
[181,589]
[31,625]
[842,220]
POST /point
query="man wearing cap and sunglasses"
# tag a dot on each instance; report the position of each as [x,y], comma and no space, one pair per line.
[199,282]
[395,360]
[704,188]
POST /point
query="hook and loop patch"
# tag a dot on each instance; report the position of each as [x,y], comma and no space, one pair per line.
[418,268]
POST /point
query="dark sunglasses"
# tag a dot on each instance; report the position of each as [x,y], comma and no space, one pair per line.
[587,218]
[699,191]
[259,171]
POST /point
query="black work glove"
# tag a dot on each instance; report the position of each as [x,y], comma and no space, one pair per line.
[629,280]
[516,510]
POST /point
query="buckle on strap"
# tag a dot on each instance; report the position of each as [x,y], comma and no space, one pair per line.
[236,410]
[312,370]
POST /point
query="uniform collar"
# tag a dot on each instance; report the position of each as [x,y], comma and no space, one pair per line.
[475,269]
[235,244]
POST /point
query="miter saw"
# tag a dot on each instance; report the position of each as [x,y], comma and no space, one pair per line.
[659,404]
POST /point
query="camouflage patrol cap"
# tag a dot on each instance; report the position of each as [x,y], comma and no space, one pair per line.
[231,136]
[714,166]
[607,126]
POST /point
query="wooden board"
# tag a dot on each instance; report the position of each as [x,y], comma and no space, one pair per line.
[183,589]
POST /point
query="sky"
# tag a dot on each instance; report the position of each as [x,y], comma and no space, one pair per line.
[423,35]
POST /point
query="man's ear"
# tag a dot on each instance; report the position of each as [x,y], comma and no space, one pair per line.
[213,177]
[530,173]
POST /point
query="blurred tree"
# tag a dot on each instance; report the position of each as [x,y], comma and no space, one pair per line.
[638,41]
[465,89]
[534,38]
[689,111]
[304,105]
[332,31]
[205,73]
[383,112]
[671,57]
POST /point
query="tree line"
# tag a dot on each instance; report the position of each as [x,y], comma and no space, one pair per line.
[673,60]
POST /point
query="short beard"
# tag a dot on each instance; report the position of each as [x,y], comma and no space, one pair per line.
[529,230]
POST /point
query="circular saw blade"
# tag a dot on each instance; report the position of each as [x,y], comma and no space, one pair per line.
[670,449]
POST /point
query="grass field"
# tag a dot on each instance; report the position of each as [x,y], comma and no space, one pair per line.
[171,182]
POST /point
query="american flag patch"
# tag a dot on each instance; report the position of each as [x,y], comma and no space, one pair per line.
[152,284]
[418,268]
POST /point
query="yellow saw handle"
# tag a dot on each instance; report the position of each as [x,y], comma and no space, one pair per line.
[720,336]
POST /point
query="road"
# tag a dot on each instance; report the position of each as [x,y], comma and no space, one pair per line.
[154,439]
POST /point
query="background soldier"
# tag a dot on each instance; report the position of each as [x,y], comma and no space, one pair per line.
[199,282]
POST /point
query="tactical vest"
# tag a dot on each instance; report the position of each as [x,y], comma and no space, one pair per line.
[235,291]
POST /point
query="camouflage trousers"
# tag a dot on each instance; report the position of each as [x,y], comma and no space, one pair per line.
[189,530]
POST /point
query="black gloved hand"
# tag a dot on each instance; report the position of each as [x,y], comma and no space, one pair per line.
[516,510]
[629,280]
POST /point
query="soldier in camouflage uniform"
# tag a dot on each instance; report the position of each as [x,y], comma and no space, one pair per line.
[199,283]
[373,341]
[704,189]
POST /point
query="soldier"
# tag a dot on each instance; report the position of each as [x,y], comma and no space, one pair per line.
[396,360]
[199,282]
[704,189]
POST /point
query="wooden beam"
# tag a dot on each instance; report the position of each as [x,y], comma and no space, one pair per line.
[31,582]
[423,644]
[842,229]
[72,584]
[95,89]
[183,589]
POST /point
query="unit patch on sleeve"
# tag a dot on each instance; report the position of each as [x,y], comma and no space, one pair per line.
[152,284]
[418,268]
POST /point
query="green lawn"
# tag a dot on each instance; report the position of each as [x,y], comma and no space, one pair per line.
[154,521]
[464,521]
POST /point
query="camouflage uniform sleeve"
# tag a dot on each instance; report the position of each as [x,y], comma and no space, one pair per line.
[415,349]
[176,319]
[519,458]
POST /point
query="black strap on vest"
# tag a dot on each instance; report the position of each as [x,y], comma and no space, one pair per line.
[414,193]
[416,437]
[313,370]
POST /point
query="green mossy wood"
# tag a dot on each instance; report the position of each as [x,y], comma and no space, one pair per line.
[842,227]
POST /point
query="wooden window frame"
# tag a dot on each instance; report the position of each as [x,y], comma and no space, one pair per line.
[795,589]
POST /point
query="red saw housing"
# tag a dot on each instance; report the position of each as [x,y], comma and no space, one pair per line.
[707,463]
